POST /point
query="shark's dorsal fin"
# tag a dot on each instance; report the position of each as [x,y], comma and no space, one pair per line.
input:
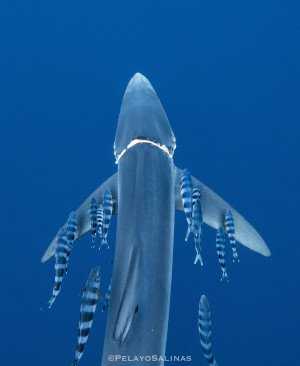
[83,218]
[214,209]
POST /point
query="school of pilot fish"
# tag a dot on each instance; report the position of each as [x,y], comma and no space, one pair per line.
[100,216]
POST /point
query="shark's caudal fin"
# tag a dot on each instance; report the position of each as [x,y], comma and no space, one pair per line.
[83,217]
[214,210]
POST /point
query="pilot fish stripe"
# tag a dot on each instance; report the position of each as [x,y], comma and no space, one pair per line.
[107,298]
[71,228]
[204,327]
[220,244]
[107,212]
[61,259]
[99,219]
[186,196]
[230,231]
[87,311]
[93,220]
[197,228]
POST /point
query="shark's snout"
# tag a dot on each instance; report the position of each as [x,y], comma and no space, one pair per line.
[142,117]
[138,82]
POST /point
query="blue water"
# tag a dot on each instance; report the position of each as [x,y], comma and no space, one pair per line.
[227,73]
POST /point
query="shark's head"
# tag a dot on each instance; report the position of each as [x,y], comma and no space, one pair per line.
[142,117]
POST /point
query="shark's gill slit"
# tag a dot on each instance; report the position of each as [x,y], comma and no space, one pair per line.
[136,309]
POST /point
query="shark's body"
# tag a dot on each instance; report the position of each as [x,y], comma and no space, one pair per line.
[146,192]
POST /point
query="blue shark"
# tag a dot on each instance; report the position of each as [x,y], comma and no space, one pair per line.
[146,192]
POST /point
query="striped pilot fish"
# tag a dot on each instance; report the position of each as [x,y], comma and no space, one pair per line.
[93,220]
[186,191]
[197,228]
[204,327]
[61,260]
[71,228]
[106,299]
[196,194]
[230,231]
[220,244]
[107,212]
[88,306]
[99,219]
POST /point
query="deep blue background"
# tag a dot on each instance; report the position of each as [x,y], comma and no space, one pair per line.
[227,73]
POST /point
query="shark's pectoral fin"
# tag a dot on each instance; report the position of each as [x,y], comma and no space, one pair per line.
[214,209]
[129,303]
[83,218]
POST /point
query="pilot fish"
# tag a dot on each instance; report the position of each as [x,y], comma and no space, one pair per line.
[230,231]
[88,306]
[93,220]
[220,244]
[196,194]
[99,219]
[197,227]
[61,260]
[186,191]
[107,212]
[71,228]
[107,298]
[204,327]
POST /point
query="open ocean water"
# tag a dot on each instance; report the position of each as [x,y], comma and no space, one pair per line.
[227,74]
